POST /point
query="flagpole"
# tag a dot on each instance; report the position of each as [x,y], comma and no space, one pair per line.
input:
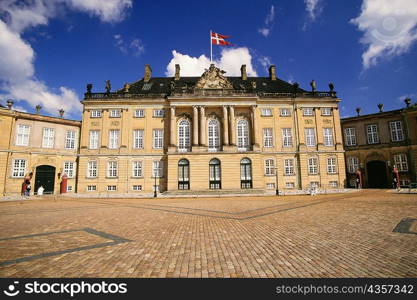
[211,49]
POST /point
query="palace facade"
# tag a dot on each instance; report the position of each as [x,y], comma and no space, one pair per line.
[179,134]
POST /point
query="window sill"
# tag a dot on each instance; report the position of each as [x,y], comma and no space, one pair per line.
[136,177]
[117,177]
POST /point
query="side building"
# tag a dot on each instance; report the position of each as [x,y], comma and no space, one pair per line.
[376,143]
[179,134]
[46,146]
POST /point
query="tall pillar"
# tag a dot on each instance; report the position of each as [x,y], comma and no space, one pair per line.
[195,125]
[225,127]
[172,128]
[202,126]
[255,139]
[232,126]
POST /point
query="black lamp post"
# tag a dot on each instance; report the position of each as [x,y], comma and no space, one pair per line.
[276,182]
[154,187]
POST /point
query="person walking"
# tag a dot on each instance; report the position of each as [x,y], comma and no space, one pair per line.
[26,187]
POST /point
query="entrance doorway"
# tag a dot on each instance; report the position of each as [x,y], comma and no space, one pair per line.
[45,176]
[377,174]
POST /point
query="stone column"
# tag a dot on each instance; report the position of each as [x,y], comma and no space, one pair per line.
[172,129]
[195,125]
[225,126]
[202,126]
[255,138]
[232,126]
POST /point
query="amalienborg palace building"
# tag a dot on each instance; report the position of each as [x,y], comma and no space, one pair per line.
[181,135]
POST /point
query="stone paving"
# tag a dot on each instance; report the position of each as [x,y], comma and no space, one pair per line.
[338,235]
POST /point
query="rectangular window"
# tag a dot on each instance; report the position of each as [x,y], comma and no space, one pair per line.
[69,188]
[308,111]
[137,188]
[69,169]
[137,169]
[289,166]
[352,164]
[70,139]
[372,134]
[328,136]
[289,185]
[114,139]
[268,139]
[94,139]
[158,138]
[270,186]
[112,169]
[91,188]
[314,184]
[114,113]
[350,136]
[138,139]
[48,138]
[158,113]
[397,133]
[111,188]
[139,113]
[326,111]
[400,161]
[331,165]
[96,113]
[22,137]
[313,166]
[19,168]
[157,168]
[92,169]
[286,137]
[284,112]
[333,184]
[310,136]
[269,167]
[266,112]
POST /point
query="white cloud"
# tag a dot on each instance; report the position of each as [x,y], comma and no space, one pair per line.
[265,61]
[389,28]
[135,47]
[17,72]
[314,8]
[269,22]
[230,61]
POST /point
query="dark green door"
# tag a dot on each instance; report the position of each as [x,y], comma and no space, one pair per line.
[377,174]
[45,176]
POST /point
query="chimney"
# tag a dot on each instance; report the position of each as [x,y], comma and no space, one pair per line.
[9,103]
[61,113]
[272,73]
[148,73]
[38,109]
[177,72]
[380,107]
[358,111]
[243,72]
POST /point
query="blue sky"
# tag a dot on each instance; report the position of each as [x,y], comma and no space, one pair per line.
[50,50]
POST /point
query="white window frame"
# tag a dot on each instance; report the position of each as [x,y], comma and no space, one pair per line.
[328,136]
[112,169]
[95,113]
[92,169]
[310,137]
[332,165]
[139,113]
[334,183]
[286,137]
[18,168]
[112,188]
[69,168]
[243,138]
[289,185]
[114,113]
[23,135]
[350,136]
[313,165]
[308,111]
[48,137]
[268,137]
[157,168]
[94,139]
[289,167]
[352,164]
[266,112]
[70,141]
[138,138]
[158,138]
[326,111]
[91,188]
[396,130]
[137,168]
[137,187]
[269,167]
[184,135]
[114,136]
[372,135]
[158,113]
[284,112]
[400,161]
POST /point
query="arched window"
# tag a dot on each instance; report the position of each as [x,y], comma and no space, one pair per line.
[215,174]
[183,174]
[213,135]
[184,135]
[245,173]
[243,134]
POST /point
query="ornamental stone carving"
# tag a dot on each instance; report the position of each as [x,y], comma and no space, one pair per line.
[213,78]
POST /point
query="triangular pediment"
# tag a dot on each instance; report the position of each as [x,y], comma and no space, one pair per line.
[213,78]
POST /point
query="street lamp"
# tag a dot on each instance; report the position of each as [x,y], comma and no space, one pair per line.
[276,181]
[154,186]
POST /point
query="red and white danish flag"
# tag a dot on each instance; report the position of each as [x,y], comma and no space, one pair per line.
[219,39]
